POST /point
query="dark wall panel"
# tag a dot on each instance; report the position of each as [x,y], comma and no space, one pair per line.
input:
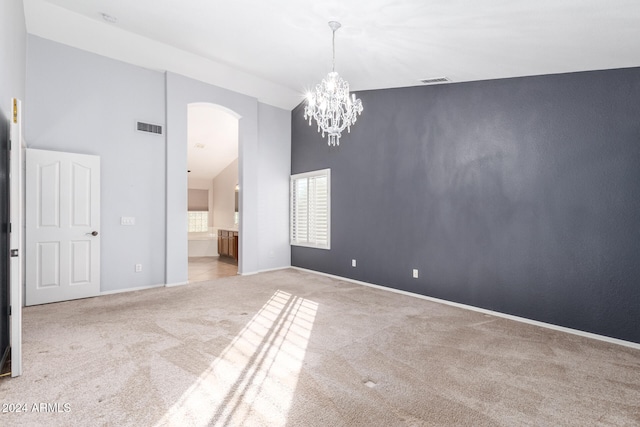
[4,236]
[518,195]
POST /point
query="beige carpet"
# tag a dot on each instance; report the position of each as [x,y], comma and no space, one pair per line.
[289,348]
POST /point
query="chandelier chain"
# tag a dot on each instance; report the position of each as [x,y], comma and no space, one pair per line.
[333,68]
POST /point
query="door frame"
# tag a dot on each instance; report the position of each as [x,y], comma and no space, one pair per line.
[16,198]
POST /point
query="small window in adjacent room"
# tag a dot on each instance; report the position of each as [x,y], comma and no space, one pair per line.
[310,209]
[198,221]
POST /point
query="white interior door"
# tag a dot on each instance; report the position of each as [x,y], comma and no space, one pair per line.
[17,222]
[62,226]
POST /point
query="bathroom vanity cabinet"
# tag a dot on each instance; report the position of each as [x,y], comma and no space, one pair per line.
[228,243]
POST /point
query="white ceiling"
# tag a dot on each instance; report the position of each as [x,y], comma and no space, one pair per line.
[275,50]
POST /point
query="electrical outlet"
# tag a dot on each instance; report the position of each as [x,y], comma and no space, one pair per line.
[353,263]
[138,268]
[415,273]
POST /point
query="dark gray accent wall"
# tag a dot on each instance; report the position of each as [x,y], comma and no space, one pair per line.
[520,196]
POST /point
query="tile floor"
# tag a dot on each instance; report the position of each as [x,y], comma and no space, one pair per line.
[209,268]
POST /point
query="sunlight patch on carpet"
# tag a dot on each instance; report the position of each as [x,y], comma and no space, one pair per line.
[254,378]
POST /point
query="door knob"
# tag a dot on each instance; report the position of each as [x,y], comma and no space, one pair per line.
[93,233]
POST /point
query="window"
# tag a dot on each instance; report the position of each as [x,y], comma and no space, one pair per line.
[198,205]
[198,221]
[311,209]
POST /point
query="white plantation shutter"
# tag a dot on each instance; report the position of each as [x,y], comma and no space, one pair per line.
[310,209]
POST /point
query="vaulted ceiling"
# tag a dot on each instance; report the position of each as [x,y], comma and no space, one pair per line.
[276,50]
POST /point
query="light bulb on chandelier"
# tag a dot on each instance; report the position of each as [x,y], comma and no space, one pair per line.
[331,105]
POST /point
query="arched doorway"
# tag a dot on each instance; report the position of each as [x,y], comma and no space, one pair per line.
[213,209]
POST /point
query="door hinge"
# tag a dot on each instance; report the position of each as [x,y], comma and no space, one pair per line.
[15,110]
[14,253]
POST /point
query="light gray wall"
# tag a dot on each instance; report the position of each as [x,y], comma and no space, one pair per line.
[259,126]
[13,45]
[224,196]
[81,102]
[274,127]
[181,91]
[85,103]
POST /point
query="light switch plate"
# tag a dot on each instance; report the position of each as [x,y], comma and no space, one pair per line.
[127,220]
[415,273]
[353,263]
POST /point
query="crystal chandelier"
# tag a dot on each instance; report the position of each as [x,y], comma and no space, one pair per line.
[330,104]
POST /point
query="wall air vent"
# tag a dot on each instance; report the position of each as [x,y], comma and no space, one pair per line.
[149,128]
[435,80]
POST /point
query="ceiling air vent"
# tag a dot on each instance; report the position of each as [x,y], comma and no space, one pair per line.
[149,128]
[435,80]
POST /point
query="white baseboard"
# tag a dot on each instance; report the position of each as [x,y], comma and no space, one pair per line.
[171,285]
[485,311]
[140,288]
[266,270]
